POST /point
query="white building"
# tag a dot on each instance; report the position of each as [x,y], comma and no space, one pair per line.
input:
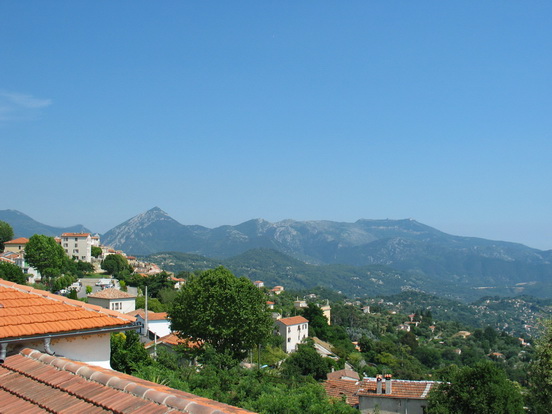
[158,323]
[77,245]
[113,299]
[294,330]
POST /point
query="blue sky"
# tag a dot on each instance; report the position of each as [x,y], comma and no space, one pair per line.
[220,112]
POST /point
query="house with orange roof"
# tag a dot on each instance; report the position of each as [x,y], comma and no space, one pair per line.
[56,325]
[153,324]
[294,330]
[169,342]
[344,374]
[343,390]
[276,290]
[114,299]
[16,245]
[382,394]
[77,245]
[16,256]
[393,396]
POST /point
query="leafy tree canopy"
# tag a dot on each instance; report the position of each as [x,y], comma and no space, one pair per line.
[127,352]
[116,264]
[306,361]
[96,251]
[12,273]
[540,379]
[45,255]
[6,234]
[482,388]
[226,312]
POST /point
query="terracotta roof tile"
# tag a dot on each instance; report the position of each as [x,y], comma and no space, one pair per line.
[294,320]
[33,382]
[111,293]
[173,340]
[25,311]
[20,240]
[75,235]
[338,388]
[353,390]
[152,316]
[400,388]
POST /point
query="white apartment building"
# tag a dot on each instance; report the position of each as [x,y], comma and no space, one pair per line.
[294,330]
[77,245]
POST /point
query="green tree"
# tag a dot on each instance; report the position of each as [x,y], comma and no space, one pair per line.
[225,312]
[96,251]
[6,234]
[318,323]
[12,273]
[306,361]
[540,374]
[116,264]
[45,255]
[482,388]
[127,352]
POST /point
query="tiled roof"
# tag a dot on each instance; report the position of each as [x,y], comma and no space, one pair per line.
[20,240]
[111,293]
[25,311]
[75,235]
[294,320]
[10,255]
[353,390]
[173,339]
[33,382]
[344,373]
[152,316]
[400,388]
[338,388]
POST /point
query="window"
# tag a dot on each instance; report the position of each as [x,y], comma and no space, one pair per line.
[76,245]
[65,244]
[116,305]
[76,239]
[289,339]
[75,250]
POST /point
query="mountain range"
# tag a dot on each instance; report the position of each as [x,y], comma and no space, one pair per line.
[417,251]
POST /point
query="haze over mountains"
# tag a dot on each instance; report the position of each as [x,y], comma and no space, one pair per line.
[404,245]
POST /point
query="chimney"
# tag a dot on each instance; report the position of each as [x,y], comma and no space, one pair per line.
[378,384]
[388,388]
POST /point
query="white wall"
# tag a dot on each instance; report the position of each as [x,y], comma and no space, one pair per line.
[293,335]
[93,349]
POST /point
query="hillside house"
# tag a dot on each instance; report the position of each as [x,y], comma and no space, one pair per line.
[382,395]
[56,325]
[157,324]
[327,311]
[344,374]
[113,299]
[18,259]
[168,342]
[294,330]
[16,245]
[276,290]
[393,396]
[77,245]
